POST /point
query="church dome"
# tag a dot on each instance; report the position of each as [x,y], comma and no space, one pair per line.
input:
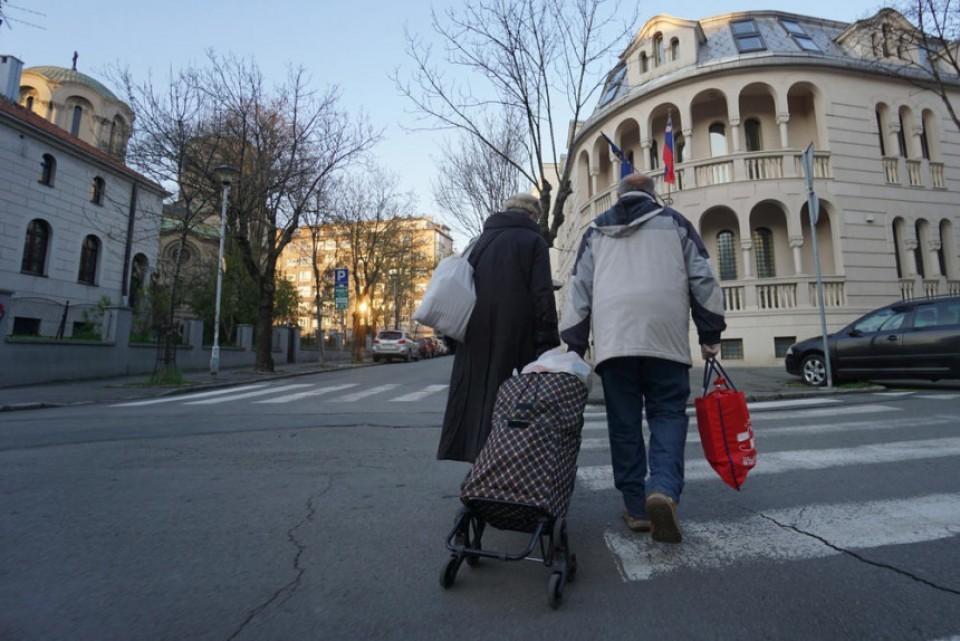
[62,75]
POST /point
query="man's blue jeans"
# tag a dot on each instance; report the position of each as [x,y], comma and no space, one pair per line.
[663,386]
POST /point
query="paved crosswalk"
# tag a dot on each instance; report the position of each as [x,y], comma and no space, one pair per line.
[286,394]
[850,439]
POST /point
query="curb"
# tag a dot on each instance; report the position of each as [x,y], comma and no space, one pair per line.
[19,407]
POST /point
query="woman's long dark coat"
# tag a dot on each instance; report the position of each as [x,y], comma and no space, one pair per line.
[514,321]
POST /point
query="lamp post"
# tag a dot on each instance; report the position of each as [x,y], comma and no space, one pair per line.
[225,174]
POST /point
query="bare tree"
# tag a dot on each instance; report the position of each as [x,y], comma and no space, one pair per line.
[321,238]
[370,218]
[918,41]
[285,142]
[474,179]
[536,60]
[176,142]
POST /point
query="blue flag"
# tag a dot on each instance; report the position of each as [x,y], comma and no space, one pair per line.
[626,167]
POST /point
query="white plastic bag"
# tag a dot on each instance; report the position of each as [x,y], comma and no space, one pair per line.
[450,297]
[558,360]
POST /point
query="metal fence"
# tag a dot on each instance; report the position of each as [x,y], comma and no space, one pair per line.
[61,320]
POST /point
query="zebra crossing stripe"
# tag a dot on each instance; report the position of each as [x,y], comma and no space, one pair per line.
[313,392]
[797,402]
[817,428]
[356,396]
[416,396]
[184,397]
[769,537]
[892,394]
[600,477]
[939,397]
[237,397]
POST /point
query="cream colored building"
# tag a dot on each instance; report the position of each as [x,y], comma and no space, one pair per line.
[746,93]
[427,243]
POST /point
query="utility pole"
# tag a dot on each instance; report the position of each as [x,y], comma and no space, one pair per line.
[813,210]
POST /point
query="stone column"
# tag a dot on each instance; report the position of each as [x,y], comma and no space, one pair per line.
[594,181]
[615,164]
[796,244]
[746,248]
[735,135]
[295,337]
[909,248]
[645,152]
[933,250]
[783,120]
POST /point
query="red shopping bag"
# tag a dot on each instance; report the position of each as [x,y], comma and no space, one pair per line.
[725,429]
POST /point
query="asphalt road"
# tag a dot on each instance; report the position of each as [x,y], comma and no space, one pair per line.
[313,508]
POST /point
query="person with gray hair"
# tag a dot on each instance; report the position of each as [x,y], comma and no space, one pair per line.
[640,273]
[513,322]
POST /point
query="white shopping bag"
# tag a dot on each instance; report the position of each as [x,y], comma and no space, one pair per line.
[450,297]
[558,360]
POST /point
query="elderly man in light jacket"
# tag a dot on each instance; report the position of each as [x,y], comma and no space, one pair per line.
[641,271]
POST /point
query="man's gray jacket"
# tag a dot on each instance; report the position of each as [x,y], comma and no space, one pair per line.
[640,272]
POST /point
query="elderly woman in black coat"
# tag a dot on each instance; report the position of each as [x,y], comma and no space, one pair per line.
[514,321]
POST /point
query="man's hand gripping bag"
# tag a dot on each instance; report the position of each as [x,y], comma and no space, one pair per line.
[725,429]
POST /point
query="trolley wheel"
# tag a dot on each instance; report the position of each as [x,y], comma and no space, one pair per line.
[555,589]
[572,568]
[449,573]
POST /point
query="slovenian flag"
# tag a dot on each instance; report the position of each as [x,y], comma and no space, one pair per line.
[626,167]
[668,174]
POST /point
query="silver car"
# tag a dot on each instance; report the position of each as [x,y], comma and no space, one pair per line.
[395,344]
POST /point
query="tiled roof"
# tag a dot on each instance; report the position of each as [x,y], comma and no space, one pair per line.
[720,44]
[62,74]
[15,112]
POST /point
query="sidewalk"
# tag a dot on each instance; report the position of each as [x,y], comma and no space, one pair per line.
[135,387]
[758,383]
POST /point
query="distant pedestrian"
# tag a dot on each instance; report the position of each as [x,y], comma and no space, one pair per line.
[640,272]
[513,322]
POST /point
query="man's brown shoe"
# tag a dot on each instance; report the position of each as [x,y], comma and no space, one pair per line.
[636,523]
[662,511]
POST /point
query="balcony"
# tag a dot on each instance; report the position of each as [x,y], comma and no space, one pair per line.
[936,175]
[781,294]
[912,288]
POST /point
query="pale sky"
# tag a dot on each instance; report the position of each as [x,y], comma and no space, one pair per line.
[355,45]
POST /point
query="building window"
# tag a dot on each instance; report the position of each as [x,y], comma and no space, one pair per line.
[658,53]
[29,104]
[654,155]
[727,255]
[23,326]
[924,141]
[614,81]
[48,170]
[35,247]
[883,144]
[918,252]
[754,137]
[799,35]
[644,62]
[678,145]
[763,248]
[731,349]
[885,42]
[896,249]
[99,186]
[138,278]
[674,49]
[89,255]
[781,344]
[718,139]
[902,138]
[946,244]
[747,36]
[77,118]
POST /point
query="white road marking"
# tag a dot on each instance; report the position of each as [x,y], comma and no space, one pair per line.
[858,526]
[416,396]
[356,396]
[818,428]
[892,394]
[600,477]
[313,392]
[765,417]
[797,402]
[186,397]
[939,397]
[237,397]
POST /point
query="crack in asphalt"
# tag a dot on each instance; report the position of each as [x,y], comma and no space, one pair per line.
[858,557]
[287,591]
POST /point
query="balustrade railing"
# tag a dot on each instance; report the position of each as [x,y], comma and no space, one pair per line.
[777,296]
[936,175]
[906,288]
[766,167]
[834,293]
[953,287]
[913,173]
[714,173]
[931,287]
[891,170]
[733,298]
[821,165]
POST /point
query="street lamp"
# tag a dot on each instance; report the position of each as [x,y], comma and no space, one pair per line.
[225,174]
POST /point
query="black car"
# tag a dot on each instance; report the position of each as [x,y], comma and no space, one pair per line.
[911,339]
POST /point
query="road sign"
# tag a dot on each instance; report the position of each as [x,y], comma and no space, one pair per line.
[341,292]
[341,277]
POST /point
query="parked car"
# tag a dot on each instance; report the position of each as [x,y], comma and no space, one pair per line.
[911,339]
[423,347]
[393,344]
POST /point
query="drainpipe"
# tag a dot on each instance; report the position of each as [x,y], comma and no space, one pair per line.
[131,219]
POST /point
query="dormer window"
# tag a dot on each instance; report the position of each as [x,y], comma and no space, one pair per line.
[800,36]
[674,49]
[747,36]
[658,54]
[644,62]
[614,81]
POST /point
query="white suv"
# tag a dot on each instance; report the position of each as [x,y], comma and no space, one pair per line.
[393,343]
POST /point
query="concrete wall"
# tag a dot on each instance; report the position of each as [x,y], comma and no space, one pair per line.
[43,361]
